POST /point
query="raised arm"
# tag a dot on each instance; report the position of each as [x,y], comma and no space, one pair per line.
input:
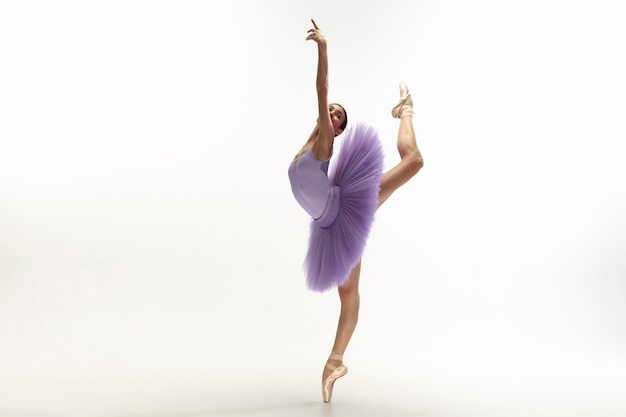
[322,148]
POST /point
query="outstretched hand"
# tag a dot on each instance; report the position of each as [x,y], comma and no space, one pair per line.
[316,35]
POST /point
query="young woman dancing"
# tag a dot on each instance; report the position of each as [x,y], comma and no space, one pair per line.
[342,204]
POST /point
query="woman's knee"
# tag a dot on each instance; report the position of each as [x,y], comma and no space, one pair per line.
[348,291]
[414,161]
[350,288]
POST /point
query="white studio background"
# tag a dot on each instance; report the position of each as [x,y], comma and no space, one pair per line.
[148,235]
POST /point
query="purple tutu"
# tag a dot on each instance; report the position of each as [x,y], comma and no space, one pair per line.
[338,238]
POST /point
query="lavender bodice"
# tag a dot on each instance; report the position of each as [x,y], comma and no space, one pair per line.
[309,183]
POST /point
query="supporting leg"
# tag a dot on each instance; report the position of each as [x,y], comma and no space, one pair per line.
[348,317]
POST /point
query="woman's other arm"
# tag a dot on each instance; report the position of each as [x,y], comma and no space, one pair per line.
[322,148]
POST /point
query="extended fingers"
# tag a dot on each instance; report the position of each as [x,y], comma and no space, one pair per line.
[314,33]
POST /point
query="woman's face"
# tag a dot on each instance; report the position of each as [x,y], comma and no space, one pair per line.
[337,117]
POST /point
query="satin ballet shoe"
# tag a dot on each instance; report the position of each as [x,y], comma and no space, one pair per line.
[329,382]
[406,111]
[405,105]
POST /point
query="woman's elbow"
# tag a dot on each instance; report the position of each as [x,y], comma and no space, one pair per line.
[322,88]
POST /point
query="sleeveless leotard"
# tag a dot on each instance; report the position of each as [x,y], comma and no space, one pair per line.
[309,183]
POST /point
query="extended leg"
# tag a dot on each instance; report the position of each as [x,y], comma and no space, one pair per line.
[411,160]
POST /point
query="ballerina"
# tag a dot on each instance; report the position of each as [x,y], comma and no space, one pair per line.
[342,204]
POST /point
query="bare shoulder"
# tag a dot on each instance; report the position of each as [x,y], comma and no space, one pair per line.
[322,150]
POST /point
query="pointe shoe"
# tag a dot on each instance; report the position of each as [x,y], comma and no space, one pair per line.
[405,105]
[338,372]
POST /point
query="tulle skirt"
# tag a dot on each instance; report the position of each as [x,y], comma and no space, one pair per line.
[337,239]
